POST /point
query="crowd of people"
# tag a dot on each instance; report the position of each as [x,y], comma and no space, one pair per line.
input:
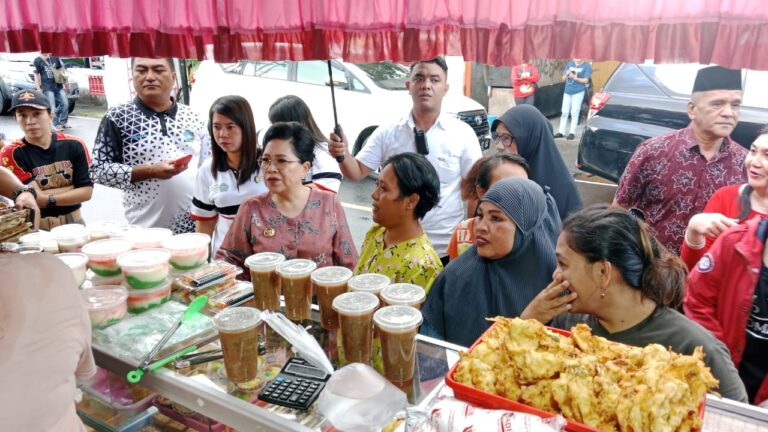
[525,246]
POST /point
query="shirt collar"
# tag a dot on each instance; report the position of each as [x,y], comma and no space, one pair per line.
[440,122]
[170,112]
[692,142]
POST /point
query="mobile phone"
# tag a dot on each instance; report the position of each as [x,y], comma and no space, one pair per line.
[180,162]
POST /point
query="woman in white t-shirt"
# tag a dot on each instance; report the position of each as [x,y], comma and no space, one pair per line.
[232,174]
[325,172]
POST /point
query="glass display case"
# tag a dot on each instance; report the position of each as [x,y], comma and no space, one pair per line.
[204,389]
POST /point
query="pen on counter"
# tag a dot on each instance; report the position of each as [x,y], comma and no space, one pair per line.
[185,363]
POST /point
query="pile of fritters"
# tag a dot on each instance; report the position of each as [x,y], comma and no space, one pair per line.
[610,386]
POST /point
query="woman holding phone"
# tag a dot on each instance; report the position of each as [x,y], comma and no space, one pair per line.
[232,174]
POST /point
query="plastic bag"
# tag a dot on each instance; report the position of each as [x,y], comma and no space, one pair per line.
[358,399]
[301,341]
[447,414]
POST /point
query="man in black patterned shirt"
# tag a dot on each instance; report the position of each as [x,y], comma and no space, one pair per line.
[151,148]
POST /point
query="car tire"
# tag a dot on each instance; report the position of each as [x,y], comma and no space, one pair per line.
[71,107]
[362,139]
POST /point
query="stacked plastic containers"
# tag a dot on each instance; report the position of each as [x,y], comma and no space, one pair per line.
[188,251]
[146,274]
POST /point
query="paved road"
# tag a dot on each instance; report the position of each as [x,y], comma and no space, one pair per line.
[106,203]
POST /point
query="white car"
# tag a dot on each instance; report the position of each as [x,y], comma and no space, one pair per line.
[367,95]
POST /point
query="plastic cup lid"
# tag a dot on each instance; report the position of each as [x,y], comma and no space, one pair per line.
[69,231]
[397,318]
[103,227]
[107,247]
[403,294]
[144,258]
[368,282]
[237,319]
[104,297]
[187,241]
[355,303]
[73,260]
[296,267]
[331,275]
[35,238]
[264,261]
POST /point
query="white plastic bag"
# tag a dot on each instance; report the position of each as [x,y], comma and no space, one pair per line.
[358,399]
[452,415]
[301,341]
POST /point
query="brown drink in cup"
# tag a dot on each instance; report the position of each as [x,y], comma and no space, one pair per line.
[297,288]
[238,331]
[328,283]
[403,294]
[397,327]
[265,280]
[355,311]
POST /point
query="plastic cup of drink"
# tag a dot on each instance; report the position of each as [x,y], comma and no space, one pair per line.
[106,305]
[145,268]
[397,327]
[76,262]
[188,251]
[239,336]
[403,294]
[265,280]
[297,287]
[329,283]
[368,282]
[70,237]
[102,255]
[355,311]
[146,238]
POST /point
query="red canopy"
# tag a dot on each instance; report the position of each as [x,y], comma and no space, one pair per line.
[728,32]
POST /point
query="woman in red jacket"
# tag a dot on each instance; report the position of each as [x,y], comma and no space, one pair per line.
[727,293]
[730,205]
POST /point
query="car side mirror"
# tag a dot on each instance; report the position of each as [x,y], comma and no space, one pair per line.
[338,84]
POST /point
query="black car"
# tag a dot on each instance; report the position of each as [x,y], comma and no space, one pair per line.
[641,101]
[18,73]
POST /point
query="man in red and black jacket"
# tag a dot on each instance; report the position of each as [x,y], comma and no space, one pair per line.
[55,164]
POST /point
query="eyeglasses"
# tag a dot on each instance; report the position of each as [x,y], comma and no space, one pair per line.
[505,139]
[421,142]
[280,164]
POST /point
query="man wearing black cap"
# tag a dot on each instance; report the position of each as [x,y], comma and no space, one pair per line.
[54,164]
[672,176]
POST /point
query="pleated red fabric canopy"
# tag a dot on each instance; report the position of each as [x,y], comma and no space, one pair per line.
[732,33]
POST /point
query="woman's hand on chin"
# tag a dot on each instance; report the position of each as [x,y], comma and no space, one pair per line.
[550,302]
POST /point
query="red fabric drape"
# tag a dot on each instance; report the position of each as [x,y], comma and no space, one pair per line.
[728,32]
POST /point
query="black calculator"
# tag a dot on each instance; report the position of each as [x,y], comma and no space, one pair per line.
[297,385]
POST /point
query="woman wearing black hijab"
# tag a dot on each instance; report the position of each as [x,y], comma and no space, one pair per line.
[525,131]
[510,263]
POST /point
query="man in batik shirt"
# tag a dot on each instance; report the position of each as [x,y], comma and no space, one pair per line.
[672,176]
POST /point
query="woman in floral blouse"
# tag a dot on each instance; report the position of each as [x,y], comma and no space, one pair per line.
[292,219]
[396,246]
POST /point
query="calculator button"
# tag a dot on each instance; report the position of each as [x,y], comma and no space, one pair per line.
[283,397]
[293,398]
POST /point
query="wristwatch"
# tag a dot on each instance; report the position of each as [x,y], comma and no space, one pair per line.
[51,201]
[21,189]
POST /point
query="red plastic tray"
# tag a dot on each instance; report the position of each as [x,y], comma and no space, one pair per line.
[484,399]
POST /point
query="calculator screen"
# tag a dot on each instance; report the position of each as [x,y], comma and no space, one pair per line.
[305,371]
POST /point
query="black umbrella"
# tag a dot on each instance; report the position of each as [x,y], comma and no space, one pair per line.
[336,128]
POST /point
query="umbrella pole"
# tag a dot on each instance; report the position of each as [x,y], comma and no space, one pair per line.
[336,128]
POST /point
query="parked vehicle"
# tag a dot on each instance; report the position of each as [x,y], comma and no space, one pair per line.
[18,73]
[367,95]
[641,101]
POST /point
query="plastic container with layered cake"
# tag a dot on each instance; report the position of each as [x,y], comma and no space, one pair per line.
[76,262]
[188,251]
[70,237]
[146,238]
[102,256]
[107,304]
[142,300]
[145,268]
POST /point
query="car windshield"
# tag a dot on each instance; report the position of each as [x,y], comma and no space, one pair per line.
[387,75]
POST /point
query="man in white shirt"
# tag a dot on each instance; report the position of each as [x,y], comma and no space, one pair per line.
[448,143]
